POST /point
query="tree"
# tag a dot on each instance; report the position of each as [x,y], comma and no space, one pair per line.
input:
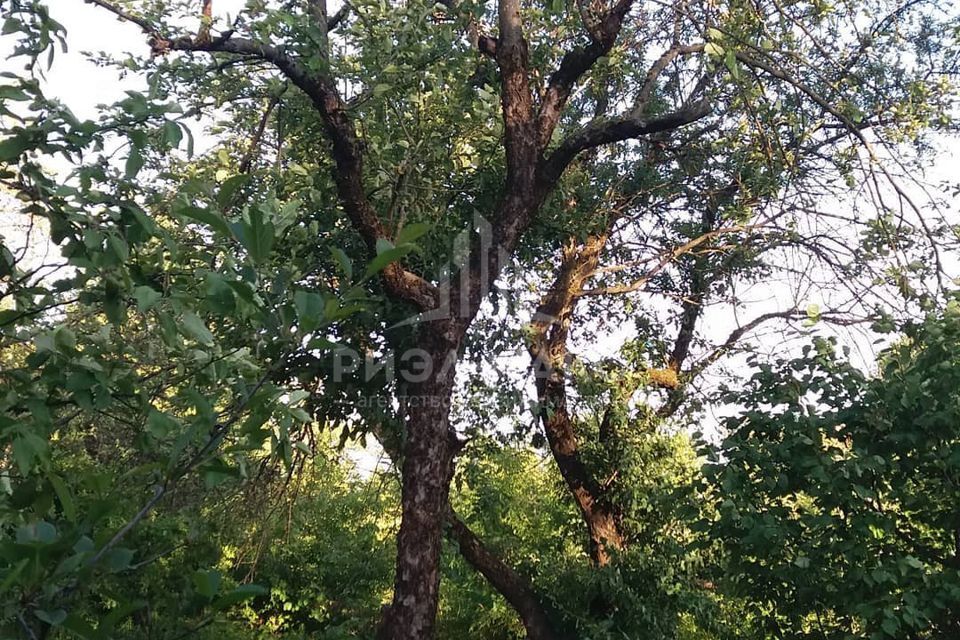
[676,151]
[839,491]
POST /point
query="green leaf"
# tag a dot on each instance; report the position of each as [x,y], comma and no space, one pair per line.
[206,216]
[113,302]
[160,425]
[207,583]
[343,261]
[8,262]
[134,163]
[9,316]
[25,452]
[13,148]
[41,532]
[713,49]
[241,593]
[219,294]
[12,575]
[229,189]
[216,472]
[194,327]
[323,343]
[412,232]
[118,613]
[730,59]
[257,235]
[891,626]
[118,559]
[64,495]
[146,297]
[53,618]
[385,257]
[65,339]
[172,134]
[11,25]
[9,92]
[310,309]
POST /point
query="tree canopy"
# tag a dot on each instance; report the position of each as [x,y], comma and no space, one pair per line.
[403,320]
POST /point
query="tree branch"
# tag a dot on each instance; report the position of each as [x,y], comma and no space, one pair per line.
[650,81]
[246,163]
[702,276]
[664,261]
[548,349]
[576,63]
[124,15]
[608,130]
[485,44]
[676,397]
[511,585]
[790,314]
[346,152]
[338,18]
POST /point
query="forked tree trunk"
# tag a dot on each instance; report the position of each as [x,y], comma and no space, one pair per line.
[513,586]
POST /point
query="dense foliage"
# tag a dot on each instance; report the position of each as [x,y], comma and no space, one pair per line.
[839,495]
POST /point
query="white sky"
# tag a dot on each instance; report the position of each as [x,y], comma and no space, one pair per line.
[90,29]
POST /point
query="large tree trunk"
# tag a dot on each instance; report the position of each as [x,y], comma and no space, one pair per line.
[514,588]
[427,466]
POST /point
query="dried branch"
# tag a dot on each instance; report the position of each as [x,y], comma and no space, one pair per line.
[650,81]
[665,261]
[125,16]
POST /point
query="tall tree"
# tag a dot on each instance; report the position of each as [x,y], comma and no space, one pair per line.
[707,136]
